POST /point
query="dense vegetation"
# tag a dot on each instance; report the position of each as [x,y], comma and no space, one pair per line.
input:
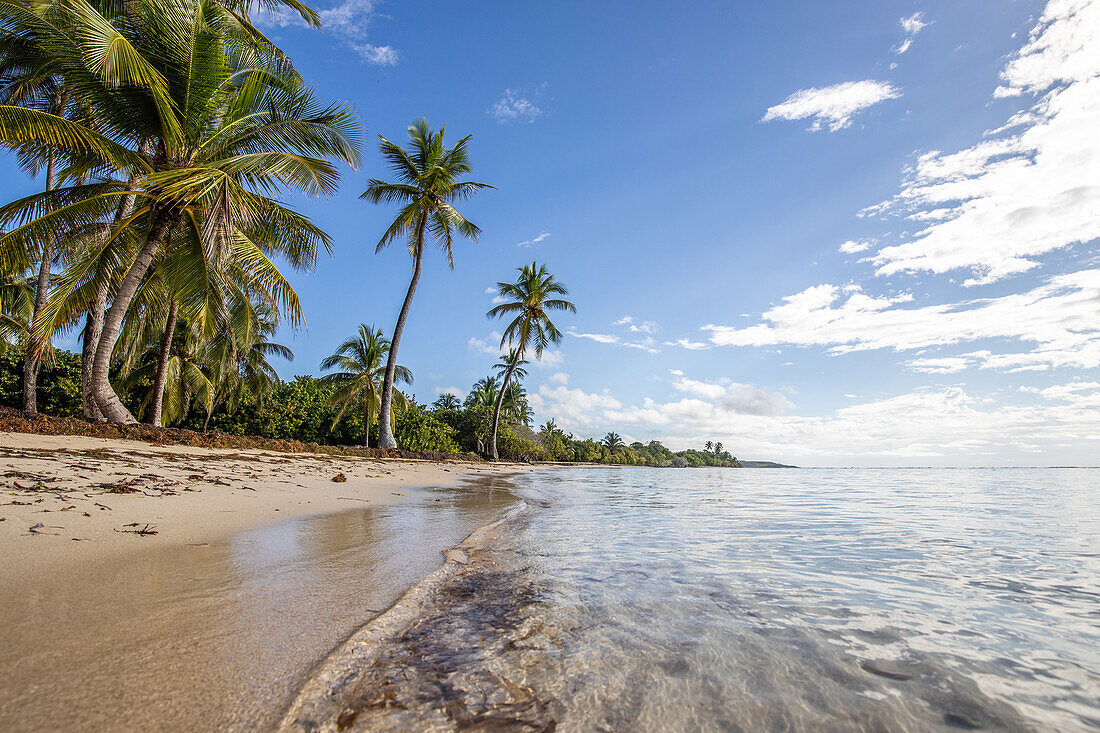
[169,136]
[309,409]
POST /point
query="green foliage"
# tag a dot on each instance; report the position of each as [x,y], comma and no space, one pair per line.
[58,383]
[419,430]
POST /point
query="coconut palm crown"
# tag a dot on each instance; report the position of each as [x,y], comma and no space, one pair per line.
[359,384]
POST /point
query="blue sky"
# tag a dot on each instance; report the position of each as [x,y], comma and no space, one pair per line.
[798,228]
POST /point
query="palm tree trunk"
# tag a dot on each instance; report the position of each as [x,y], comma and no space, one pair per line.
[93,325]
[109,403]
[496,410]
[162,364]
[366,427]
[35,343]
[385,429]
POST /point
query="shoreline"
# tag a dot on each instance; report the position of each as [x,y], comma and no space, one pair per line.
[253,580]
[326,688]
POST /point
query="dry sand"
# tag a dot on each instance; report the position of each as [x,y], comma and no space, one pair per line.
[60,499]
[261,564]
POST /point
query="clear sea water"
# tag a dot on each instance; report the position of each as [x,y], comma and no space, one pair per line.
[763,599]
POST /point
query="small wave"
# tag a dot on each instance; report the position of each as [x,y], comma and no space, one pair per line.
[324,698]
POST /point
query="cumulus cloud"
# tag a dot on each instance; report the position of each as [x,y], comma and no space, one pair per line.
[559,378]
[489,345]
[832,107]
[451,391]
[511,107]
[572,408]
[852,247]
[1057,317]
[910,27]
[1031,186]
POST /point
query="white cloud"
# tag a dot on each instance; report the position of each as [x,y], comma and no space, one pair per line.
[549,359]
[527,243]
[559,378]
[600,338]
[942,365]
[727,396]
[852,247]
[625,320]
[832,107]
[513,108]
[688,344]
[572,408]
[994,207]
[1058,317]
[646,344]
[452,391]
[645,327]
[348,21]
[490,345]
[377,55]
[910,27]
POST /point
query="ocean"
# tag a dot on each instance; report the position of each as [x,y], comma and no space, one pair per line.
[633,599]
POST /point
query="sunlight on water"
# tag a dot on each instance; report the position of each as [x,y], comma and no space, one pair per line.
[638,599]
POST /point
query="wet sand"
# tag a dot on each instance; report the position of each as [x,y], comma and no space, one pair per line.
[215,621]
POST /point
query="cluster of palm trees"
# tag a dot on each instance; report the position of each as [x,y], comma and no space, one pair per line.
[169,133]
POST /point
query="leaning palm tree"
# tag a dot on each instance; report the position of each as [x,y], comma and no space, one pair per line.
[359,385]
[427,186]
[226,134]
[529,299]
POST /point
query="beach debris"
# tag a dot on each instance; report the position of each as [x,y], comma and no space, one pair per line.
[16,502]
[103,506]
[882,671]
[136,528]
[339,478]
[348,498]
[120,487]
[37,529]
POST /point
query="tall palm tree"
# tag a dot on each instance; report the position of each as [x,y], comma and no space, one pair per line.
[427,187]
[360,383]
[612,441]
[228,134]
[530,299]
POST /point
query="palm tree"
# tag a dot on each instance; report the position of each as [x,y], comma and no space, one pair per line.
[707,446]
[226,129]
[612,441]
[529,299]
[447,401]
[360,382]
[484,393]
[427,187]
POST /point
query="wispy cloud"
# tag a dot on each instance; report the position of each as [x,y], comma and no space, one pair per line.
[460,394]
[531,242]
[648,344]
[512,107]
[832,107]
[910,27]
[349,21]
[1029,188]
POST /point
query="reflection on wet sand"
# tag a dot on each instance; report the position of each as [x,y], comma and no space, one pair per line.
[217,635]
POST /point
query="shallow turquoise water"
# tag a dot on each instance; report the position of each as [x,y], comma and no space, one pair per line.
[757,599]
